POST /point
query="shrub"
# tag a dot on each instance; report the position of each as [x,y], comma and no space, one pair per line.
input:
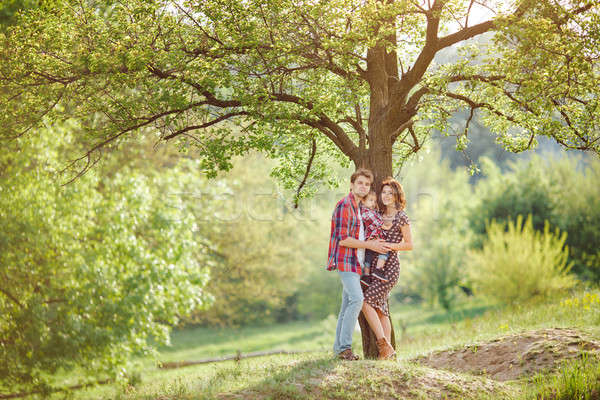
[256,238]
[525,189]
[518,263]
[562,191]
[436,274]
[91,273]
[577,196]
[319,295]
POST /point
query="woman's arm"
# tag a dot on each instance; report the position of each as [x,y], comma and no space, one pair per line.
[406,243]
[376,245]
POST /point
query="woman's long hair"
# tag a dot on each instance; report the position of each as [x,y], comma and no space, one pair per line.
[397,191]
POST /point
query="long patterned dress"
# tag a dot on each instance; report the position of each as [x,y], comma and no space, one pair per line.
[378,292]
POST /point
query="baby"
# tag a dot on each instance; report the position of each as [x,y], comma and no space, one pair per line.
[373,224]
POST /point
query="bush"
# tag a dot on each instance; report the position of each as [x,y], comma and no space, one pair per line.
[255,237]
[562,192]
[577,197]
[525,189]
[319,295]
[93,272]
[436,274]
[520,263]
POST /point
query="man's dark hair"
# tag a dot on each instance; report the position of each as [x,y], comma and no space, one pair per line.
[362,172]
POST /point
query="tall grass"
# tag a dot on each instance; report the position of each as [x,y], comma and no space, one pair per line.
[577,379]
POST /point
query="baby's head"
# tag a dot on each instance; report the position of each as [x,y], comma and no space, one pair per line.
[371,200]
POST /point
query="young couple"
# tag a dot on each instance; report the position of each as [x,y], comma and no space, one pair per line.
[350,223]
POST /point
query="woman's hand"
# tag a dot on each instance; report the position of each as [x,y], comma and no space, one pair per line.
[379,246]
[406,243]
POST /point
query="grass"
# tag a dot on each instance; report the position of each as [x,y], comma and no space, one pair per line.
[493,321]
[196,343]
[576,379]
[317,374]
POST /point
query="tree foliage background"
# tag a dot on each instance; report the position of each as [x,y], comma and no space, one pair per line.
[92,273]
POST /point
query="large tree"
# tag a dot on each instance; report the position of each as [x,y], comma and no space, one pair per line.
[307,81]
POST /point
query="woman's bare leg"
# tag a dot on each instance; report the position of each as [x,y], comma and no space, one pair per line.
[373,319]
[386,325]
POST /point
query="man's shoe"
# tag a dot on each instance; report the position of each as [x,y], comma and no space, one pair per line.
[379,275]
[385,349]
[348,355]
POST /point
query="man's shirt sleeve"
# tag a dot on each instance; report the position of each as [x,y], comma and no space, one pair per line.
[341,221]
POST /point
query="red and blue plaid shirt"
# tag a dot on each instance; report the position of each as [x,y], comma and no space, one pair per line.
[344,223]
[373,222]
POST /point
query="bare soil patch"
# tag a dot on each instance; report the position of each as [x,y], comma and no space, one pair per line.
[515,356]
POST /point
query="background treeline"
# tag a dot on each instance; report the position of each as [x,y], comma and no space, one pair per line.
[101,269]
[456,219]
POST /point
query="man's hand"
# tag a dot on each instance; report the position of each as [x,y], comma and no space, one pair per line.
[379,246]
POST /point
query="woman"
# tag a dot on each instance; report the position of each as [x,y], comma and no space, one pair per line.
[396,230]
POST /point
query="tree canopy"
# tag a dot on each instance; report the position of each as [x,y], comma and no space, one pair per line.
[309,82]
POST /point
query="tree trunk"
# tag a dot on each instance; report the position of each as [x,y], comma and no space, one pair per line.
[382,75]
[369,340]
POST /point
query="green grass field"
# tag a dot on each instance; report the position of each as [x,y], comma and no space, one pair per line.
[286,376]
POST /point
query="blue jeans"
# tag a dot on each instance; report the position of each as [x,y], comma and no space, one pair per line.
[352,301]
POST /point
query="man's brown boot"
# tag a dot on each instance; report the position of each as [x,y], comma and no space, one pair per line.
[386,351]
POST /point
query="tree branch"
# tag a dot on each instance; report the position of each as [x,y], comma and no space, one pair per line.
[427,54]
[39,118]
[12,298]
[402,128]
[464,34]
[98,146]
[359,127]
[580,135]
[321,128]
[313,151]
[205,125]
[342,140]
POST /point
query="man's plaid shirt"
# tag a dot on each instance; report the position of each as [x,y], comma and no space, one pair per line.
[344,223]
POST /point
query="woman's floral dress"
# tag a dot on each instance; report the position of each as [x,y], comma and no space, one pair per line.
[378,292]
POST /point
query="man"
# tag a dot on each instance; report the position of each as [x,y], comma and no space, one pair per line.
[346,254]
